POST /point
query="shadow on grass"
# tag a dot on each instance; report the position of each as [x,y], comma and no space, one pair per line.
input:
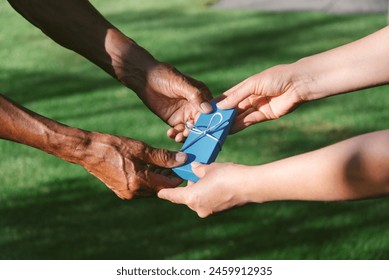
[252,39]
[77,219]
[53,88]
[26,86]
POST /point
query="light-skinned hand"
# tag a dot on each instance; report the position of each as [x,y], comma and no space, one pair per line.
[214,192]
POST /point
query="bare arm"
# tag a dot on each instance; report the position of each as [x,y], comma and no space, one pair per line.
[361,64]
[353,169]
[75,24]
[278,90]
[78,26]
[123,164]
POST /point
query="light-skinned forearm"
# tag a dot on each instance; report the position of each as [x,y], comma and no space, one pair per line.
[353,169]
[357,65]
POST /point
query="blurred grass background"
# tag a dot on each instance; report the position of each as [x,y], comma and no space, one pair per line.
[50,209]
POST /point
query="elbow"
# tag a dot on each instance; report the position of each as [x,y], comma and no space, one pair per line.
[368,168]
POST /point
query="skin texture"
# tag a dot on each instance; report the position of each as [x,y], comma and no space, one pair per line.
[128,167]
[353,169]
[75,24]
[279,90]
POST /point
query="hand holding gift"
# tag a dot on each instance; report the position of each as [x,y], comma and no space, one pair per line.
[125,165]
[353,169]
[221,187]
[205,140]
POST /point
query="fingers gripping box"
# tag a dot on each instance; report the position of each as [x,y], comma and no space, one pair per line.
[205,140]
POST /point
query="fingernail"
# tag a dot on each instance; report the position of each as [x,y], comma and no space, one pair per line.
[195,164]
[220,104]
[206,107]
[180,157]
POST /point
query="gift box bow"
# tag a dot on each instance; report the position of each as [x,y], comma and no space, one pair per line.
[203,131]
[205,139]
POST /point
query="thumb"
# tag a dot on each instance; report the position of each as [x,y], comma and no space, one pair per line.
[163,157]
[197,93]
[176,195]
[199,169]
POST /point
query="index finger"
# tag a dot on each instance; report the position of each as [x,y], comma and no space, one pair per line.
[232,97]
[156,181]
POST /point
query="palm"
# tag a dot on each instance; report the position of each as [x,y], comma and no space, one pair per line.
[269,102]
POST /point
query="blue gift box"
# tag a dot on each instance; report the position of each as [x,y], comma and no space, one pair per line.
[205,140]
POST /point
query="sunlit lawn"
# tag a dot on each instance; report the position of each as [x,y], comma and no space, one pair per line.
[50,209]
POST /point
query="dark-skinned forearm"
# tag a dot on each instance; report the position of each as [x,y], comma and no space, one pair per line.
[78,26]
[21,125]
[123,164]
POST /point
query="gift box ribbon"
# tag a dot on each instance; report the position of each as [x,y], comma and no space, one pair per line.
[207,131]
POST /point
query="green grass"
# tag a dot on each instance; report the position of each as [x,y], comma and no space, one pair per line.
[50,209]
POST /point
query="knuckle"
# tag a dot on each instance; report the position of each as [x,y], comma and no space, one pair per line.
[139,149]
[147,153]
[192,202]
[167,66]
[163,155]
[133,185]
[203,213]
[255,88]
[144,148]
[125,195]
[194,94]
[203,89]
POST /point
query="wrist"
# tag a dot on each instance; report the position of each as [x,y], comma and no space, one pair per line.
[68,143]
[302,83]
[130,62]
[311,78]
[247,178]
[262,184]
